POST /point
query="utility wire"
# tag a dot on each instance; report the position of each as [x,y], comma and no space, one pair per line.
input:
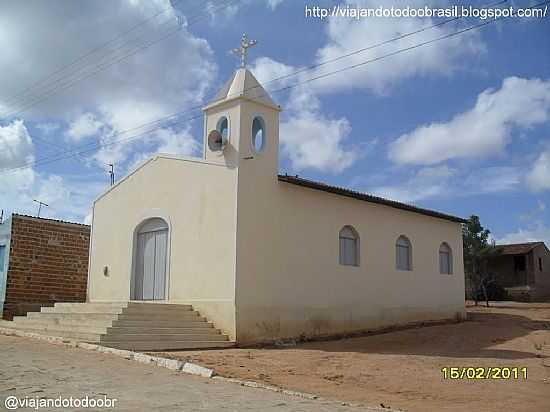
[97,59]
[399,51]
[91,52]
[311,67]
[105,65]
[131,29]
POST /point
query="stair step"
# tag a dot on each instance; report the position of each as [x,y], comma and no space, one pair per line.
[62,323]
[168,345]
[83,317]
[144,323]
[61,327]
[84,309]
[64,307]
[83,336]
[145,337]
[132,325]
[158,306]
[190,315]
[161,331]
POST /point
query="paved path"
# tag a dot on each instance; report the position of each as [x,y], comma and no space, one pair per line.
[35,369]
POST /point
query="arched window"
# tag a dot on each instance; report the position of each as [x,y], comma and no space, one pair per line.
[258,134]
[445,259]
[223,127]
[349,246]
[403,253]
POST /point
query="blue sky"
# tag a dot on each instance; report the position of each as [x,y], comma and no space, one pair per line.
[461,125]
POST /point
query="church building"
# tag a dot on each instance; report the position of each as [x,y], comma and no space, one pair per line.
[265,256]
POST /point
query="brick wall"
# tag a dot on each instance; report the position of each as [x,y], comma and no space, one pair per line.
[48,263]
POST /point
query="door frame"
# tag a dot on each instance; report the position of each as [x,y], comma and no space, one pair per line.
[151,214]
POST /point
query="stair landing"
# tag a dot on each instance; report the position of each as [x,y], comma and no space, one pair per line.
[138,326]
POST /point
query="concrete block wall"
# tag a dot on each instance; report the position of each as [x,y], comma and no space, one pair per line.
[48,263]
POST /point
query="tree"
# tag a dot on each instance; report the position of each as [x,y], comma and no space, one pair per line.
[476,243]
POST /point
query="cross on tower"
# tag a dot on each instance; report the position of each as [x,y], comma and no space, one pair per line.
[243,50]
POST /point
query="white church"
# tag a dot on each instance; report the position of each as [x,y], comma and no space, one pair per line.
[263,256]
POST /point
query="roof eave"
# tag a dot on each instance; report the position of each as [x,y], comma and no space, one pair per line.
[369,198]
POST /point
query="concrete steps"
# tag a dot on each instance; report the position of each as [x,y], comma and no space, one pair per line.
[130,325]
[164,345]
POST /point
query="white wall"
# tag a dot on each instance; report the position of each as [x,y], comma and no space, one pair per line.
[289,281]
[198,201]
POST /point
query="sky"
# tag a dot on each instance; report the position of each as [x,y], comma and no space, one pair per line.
[460,125]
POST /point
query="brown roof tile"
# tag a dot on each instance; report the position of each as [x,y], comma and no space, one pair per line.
[515,248]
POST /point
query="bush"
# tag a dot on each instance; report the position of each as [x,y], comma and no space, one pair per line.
[494,292]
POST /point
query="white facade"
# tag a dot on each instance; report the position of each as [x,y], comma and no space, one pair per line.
[260,254]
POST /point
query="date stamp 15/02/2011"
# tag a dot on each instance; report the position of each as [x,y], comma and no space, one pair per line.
[484,373]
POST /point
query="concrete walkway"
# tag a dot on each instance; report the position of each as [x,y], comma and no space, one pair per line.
[35,369]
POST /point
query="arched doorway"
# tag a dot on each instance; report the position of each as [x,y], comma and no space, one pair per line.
[150,260]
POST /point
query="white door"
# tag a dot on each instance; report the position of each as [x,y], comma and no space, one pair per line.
[150,268]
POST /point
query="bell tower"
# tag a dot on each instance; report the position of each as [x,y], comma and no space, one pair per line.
[246,121]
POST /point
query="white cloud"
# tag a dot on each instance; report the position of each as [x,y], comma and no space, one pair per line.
[314,141]
[68,198]
[16,144]
[309,138]
[426,183]
[538,178]
[83,126]
[266,70]
[88,219]
[168,141]
[443,181]
[274,3]
[48,127]
[178,143]
[347,34]
[165,78]
[536,233]
[481,131]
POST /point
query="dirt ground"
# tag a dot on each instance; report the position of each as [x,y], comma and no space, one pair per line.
[402,369]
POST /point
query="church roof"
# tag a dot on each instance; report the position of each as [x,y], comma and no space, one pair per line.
[295,180]
[243,84]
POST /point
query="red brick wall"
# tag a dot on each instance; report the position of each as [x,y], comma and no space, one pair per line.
[48,263]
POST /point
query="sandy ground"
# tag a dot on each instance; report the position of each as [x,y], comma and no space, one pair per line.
[31,369]
[402,369]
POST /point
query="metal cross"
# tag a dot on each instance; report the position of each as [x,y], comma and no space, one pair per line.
[243,50]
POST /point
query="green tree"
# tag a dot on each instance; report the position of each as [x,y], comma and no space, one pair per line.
[476,242]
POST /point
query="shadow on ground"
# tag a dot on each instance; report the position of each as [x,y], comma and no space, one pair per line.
[474,338]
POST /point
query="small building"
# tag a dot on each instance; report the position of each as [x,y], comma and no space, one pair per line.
[264,255]
[42,261]
[523,269]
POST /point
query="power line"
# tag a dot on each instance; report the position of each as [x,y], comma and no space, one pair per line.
[87,54]
[97,60]
[311,67]
[45,161]
[376,45]
[56,87]
[399,51]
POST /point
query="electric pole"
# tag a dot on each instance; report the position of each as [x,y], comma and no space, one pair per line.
[112,173]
